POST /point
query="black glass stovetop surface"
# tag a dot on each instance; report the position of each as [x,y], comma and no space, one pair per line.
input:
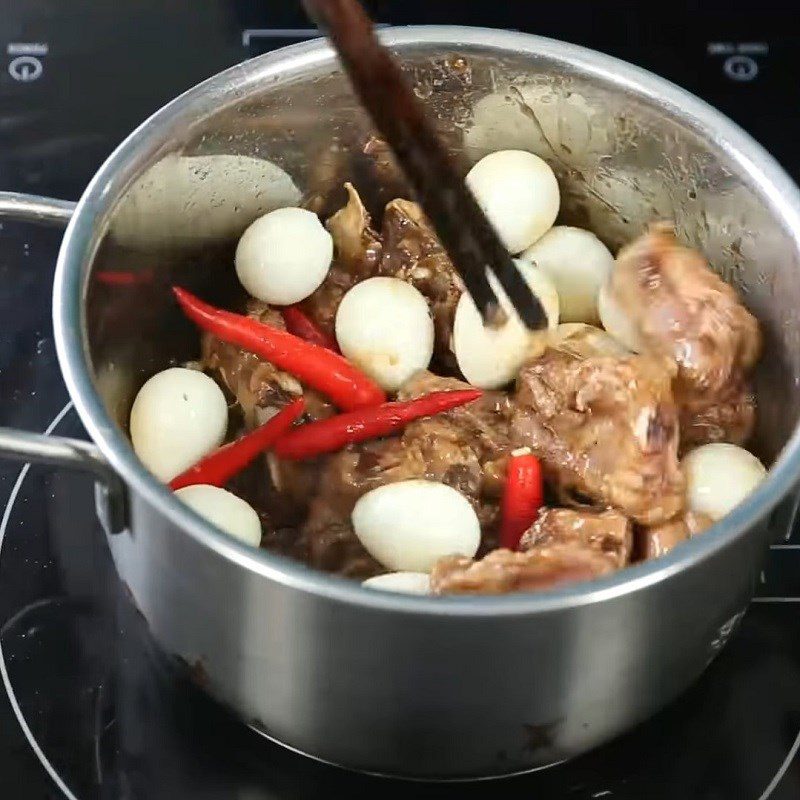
[88,709]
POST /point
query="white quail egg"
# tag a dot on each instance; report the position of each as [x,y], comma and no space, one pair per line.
[719,476]
[384,327]
[178,416]
[491,357]
[403,582]
[579,264]
[228,512]
[284,256]
[519,194]
[408,526]
[616,321]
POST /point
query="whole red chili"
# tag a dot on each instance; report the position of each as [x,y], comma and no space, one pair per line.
[522,497]
[219,467]
[334,433]
[124,277]
[316,366]
[300,324]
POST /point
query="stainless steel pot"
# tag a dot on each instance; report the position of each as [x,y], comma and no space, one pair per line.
[429,688]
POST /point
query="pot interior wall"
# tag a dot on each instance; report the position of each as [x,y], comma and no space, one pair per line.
[622,160]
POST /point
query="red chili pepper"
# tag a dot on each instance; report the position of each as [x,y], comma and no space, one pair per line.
[315,366]
[332,434]
[124,277]
[219,467]
[298,323]
[522,498]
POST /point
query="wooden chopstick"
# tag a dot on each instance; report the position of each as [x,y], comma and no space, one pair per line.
[466,234]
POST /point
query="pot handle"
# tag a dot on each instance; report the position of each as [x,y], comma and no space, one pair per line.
[39,448]
[110,494]
[34,208]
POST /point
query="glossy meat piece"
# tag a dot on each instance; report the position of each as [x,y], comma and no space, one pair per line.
[257,386]
[357,253]
[725,416]
[357,246]
[457,448]
[382,177]
[605,429]
[660,539]
[480,432]
[607,533]
[348,475]
[562,546]
[686,312]
[328,535]
[484,422]
[407,248]
[432,451]
[503,571]
[437,450]
[412,253]
[280,488]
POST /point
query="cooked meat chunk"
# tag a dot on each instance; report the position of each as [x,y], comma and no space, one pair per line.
[484,422]
[433,451]
[407,248]
[584,341]
[260,390]
[608,533]
[356,245]
[605,429]
[384,178]
[353,472]
[412,253]
[503,571]
[343,478]
[335,548]
[727,416]
[471,440]
[686,312]
[323,304]
[454,448]
[436,450]
[660,539]
[357,253]
[256,385]
[562,546]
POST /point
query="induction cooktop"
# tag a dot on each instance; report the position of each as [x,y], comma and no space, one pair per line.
[88,708]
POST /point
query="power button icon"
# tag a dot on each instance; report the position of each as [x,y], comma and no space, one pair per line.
[740,68]
[25,68]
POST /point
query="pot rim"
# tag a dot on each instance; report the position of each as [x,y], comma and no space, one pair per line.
[120,169]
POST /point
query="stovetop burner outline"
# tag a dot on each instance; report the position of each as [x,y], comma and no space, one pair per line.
[666,45]
[12,698]
[70,795]
[773,784]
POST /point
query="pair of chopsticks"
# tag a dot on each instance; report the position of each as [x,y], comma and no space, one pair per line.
[465,232]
